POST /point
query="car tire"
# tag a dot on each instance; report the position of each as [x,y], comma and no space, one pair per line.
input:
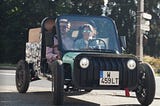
[22,76]
[57,82]
[145,91]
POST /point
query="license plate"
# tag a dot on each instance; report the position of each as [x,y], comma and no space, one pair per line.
[109,78]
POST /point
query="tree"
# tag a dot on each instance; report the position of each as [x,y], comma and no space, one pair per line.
[124,14]
[152,48]
[17,16]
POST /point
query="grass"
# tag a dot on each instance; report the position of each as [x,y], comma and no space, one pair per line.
[154,62]
[7,64]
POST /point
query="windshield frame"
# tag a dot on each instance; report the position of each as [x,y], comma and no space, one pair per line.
[119,49]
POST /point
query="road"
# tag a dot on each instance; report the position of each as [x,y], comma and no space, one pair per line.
[39,94]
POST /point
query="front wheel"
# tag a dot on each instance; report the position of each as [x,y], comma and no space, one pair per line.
[146,89]
[57,82]
[22,76]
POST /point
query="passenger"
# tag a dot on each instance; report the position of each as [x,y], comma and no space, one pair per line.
[87,32]
[67,40]
[52,52]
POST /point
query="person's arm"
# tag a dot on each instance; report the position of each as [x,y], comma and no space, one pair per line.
[50,55]
[77,44]
[55,48]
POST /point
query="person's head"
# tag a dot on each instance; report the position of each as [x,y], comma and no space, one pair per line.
[64,26]
[48,25]
[87,31]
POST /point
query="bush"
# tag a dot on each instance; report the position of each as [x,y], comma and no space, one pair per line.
[154,62]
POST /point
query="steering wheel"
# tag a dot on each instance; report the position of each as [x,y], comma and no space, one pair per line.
[97,44]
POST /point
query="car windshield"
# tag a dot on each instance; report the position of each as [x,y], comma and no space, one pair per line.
[84,33]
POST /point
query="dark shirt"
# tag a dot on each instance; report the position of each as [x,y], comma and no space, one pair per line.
[49,39]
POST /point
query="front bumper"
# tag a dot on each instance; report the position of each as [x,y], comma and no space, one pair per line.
[90,77]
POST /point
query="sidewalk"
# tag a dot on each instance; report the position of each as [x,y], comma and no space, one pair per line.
[7,68]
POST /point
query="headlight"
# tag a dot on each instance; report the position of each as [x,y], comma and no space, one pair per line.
[84,63]
[131,64]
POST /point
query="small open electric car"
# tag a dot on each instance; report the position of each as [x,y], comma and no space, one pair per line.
[91,57]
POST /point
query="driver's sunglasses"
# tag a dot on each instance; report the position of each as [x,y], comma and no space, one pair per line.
[87,31]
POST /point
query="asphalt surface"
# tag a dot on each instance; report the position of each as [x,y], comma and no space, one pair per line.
[39,94]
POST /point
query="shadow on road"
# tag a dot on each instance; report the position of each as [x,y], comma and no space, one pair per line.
[37,99]
[42,99]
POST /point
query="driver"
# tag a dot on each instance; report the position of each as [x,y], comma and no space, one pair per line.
[87,34]
[67,40]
